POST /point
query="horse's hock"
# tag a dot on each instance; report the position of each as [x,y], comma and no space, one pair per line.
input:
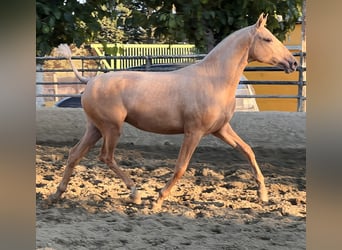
[258,129]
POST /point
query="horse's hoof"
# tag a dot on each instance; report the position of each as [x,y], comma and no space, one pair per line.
[263,197]
[53,198]
[156,206]
[135,197]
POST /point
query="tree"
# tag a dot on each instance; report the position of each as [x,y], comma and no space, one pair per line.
[202,22]
[136,23]
[68,21]
[86,21]
[206,23]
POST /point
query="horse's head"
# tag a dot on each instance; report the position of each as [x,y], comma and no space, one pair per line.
[267,48]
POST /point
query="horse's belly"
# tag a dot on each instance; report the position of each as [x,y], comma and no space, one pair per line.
[162,124]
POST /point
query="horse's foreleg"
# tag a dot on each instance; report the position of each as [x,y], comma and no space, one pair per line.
[91,136]
[189,145]
[228,135]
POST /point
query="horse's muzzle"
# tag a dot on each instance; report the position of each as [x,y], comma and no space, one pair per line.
[290,66]
[293,65]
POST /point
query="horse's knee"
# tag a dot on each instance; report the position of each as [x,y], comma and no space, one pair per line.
[75,154]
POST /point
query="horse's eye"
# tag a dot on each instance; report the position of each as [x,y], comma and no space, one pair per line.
[267,39]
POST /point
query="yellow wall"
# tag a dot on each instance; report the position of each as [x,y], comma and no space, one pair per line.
[268,104]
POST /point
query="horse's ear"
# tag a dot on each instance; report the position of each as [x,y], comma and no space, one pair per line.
[261,20]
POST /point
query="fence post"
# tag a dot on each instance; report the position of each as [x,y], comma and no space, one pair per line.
[82,66]
[40,102]
[303,57]
[148,62]
[55,87]
[300,103]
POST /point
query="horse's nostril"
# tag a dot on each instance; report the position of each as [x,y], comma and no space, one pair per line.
[293,65]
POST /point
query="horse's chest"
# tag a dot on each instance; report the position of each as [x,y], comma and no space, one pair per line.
[216,118]
[226,116]
[228,108]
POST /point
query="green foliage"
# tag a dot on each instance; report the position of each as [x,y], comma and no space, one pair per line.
[109,33]
[202,22]
[206,23]
[67,22]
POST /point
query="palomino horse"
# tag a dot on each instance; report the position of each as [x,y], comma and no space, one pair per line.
[196,100]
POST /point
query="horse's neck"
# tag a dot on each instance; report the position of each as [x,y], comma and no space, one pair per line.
[229,58]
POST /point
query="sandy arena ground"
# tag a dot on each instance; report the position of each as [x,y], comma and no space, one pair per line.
[214,206]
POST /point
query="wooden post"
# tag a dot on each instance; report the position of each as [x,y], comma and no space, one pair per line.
[40,102]
[55,87]
[304,51]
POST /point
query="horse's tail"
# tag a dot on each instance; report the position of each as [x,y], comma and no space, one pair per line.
[64,50]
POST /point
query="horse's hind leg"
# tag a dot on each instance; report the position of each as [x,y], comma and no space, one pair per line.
[90,137]
[110,139]
[228,135]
